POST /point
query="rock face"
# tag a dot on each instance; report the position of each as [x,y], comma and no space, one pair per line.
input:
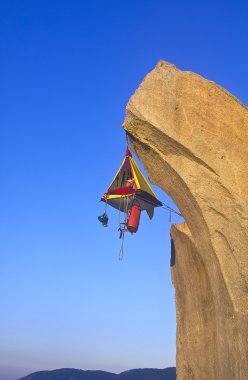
[192,137]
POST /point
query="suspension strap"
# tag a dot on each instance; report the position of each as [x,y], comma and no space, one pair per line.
[127,140]
[106,205]
[171,210]
[119,213]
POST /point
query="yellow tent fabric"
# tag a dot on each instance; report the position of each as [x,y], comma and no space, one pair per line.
[118,179]
[139,179]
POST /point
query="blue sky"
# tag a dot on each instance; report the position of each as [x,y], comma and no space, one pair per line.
[68,69]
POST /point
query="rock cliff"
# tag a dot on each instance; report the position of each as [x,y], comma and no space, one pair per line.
[192,138]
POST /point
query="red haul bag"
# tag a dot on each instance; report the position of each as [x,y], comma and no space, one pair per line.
[134,218]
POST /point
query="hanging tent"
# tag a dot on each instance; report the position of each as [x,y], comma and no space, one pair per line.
[122,198]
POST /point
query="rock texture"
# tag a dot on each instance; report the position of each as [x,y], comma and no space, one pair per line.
[192,137]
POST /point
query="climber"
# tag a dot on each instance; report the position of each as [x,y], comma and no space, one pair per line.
[129,183]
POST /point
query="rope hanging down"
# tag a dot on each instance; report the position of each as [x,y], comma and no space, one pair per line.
[122,233]
[121,252]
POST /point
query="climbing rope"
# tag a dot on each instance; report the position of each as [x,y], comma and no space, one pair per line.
[119,213]
[127,205]
[127,140]
[106,205]
[121,252]
[171,210]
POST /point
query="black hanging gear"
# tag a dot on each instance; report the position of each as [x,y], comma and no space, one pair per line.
[103,219]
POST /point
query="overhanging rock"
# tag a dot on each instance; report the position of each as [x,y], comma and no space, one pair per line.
[192,138]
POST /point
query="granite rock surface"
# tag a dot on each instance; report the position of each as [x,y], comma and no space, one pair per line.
[192,138]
